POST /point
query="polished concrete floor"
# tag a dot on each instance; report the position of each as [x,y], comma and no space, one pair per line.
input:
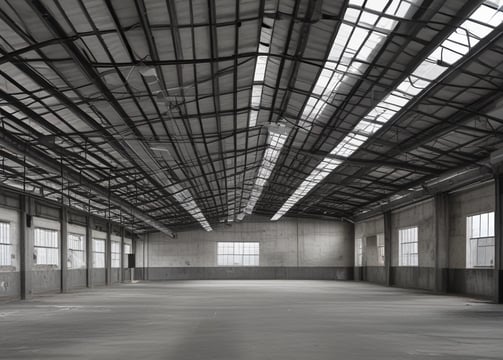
[250,320]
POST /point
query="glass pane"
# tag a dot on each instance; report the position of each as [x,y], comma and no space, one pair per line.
[490,231]
[484,225]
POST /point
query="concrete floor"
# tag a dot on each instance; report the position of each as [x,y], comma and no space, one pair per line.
[250,320]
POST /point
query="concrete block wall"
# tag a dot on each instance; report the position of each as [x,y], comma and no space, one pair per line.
[473,201]
[421,215]
[460,279]
[39,279]
[77,278]
[289,248]
[367,231]
[10,276]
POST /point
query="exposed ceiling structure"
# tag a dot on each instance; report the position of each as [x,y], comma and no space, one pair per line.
[179,114]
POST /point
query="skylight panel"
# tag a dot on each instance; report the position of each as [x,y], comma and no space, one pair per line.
[354,46]
[253,117]
[276,140]
[452,49]
[260,68]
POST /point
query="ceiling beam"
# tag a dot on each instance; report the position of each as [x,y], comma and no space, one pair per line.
[44,161]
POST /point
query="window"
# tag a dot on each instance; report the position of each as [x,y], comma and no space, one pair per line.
[358,252]
[116,254]
[127,250]
[380,249]
[98,253]
[76,251]
[46,247]
[238,253]
[5,244]
[408,249]
[480,240]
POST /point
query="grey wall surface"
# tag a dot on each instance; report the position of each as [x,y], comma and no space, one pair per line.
[367,231]
[251,273]
[463,203]
[479,282]
[48,278]
[99,277]
[422,216]
[77,278]
[45,280]
[10,284]
[286,244]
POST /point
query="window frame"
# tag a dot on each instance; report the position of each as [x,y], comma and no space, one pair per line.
[472,260]
[80,252]
[381,249]
[115,257]
[52,249]
[406,256]
[95,253]
[6,246]
[238,251]
[359,251]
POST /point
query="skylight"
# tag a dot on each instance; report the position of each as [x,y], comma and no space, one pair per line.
[185,199]
[183,196]
[260,66]
[359,35]
[482,21]
[276,140]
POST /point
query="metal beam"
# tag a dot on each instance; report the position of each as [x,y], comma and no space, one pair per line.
[46,162]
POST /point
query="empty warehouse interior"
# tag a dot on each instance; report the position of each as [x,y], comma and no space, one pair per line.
[251,179]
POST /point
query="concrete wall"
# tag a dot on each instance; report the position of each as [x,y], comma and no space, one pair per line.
[422,276]
[463,203]
[288,248]
[47,278]
[371,270]
[77,278]
[10,275]
[473,201]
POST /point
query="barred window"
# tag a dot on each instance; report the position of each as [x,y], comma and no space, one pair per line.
[5,244]
[238,253]
[76,251]
[116,254]
[46,247]
[380,249]
[359,252]
[480,240]
[98,253]
[408,247]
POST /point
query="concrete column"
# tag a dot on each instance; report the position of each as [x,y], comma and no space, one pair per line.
[498,240]
[63,220]
[146,256]
[387,248]
[121,272]
[134,244]
[441,250]
[26,246]
[108,254]
[89,250]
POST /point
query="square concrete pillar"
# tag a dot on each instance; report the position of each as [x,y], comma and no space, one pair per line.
[63,220]
[498,239]
[387,247]
[441,250]
[26,246]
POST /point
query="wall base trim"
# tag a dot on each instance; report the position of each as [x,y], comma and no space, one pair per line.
[250,273]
